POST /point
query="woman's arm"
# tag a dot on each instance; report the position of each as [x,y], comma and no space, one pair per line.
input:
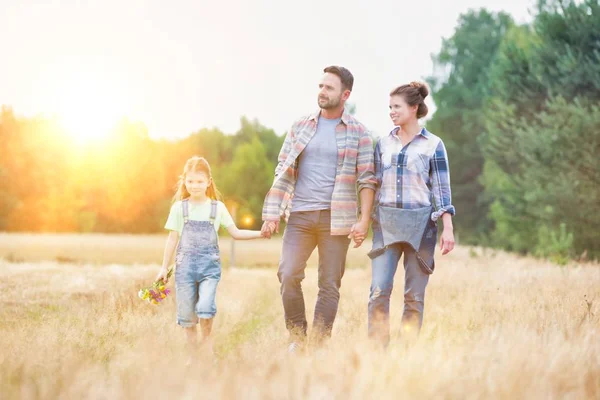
[440,182]
[447,237]
[442,195]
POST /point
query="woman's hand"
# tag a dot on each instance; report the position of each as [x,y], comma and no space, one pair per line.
[447,240]
[359,232]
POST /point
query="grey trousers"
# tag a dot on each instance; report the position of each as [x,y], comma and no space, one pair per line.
[305,231]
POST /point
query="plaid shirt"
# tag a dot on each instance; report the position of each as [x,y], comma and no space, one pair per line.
[354,172]
[414,176]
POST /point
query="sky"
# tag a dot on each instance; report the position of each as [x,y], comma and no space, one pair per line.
[185,65]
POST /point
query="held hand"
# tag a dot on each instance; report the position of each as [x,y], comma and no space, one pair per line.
[265,231]
[268,228]
[447,241]
[359,232]
[274,226]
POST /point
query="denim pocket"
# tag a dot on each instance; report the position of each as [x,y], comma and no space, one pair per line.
[215,258]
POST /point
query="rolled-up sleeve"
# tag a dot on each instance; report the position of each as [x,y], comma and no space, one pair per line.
[365,165]
[440,176]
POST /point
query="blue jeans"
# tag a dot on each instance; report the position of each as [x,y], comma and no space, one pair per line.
[384,268]
[196,279]
[305,231]
[198,269]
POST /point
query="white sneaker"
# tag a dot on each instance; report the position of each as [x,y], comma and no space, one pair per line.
[294,348]
[190,362]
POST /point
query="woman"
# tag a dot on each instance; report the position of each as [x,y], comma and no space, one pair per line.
[413,193]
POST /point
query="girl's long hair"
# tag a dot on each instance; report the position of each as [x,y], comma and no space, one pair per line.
[196,164]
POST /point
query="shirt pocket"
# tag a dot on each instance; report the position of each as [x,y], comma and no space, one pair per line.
[388,159]
[417,163]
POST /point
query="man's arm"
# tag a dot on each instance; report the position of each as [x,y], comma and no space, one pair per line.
[285,150]
[365,163]
[366,186]
[271,221]
[360,230]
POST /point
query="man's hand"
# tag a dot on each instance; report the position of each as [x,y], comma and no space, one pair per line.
[268,228]
[265,231]
[359,232]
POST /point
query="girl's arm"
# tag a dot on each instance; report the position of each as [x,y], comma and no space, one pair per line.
[170,246]
[243,234]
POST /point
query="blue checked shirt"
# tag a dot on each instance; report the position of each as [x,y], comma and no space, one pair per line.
[414,176]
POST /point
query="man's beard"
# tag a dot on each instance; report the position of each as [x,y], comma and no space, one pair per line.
[328,104]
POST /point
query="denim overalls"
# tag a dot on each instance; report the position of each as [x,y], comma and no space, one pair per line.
[198,269]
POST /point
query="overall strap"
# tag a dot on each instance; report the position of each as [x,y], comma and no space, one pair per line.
[184,205]
[213,211]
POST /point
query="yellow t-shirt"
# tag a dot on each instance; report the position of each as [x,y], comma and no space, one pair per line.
[198,212]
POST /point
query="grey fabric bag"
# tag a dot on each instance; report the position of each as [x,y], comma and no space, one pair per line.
[404,225]
[411,226]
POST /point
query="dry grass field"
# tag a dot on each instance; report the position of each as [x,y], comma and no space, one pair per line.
[496,326]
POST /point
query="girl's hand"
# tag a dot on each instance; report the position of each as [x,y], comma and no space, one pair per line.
[447,241]
[162,274]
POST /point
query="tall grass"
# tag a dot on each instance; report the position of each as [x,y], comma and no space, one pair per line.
[496,326]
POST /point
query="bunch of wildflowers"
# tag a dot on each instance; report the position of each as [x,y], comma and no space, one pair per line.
[157,292]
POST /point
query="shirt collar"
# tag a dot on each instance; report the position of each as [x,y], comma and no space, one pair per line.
[424,132]
[315,116]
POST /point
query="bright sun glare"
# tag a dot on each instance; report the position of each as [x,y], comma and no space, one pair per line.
[89,106]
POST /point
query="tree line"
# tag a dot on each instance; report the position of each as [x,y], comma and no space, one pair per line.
[517,107]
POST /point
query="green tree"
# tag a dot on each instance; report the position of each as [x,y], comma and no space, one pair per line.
[542,140]
[253,129]
[248,178]
[460,90]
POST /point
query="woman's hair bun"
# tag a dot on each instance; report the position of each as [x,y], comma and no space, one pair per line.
[421,87]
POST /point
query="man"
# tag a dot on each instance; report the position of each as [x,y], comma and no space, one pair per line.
[326,159]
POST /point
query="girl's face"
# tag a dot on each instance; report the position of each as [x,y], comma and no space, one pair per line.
[400,112]
[196,183]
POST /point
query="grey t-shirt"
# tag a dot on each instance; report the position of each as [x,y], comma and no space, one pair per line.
[317,166]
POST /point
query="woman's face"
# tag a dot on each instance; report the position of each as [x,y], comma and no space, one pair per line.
[400,111]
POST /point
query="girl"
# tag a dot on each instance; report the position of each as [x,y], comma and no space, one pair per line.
[194,221]
[413,192]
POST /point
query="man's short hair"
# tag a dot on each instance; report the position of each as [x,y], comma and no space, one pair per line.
[344,75]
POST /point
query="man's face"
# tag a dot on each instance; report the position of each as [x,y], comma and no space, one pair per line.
[331,94]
